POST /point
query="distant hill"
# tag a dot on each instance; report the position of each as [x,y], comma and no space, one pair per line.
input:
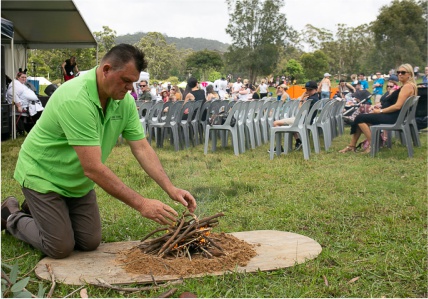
[196,44]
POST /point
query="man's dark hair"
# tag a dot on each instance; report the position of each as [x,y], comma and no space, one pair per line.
[192,82]
[123,53]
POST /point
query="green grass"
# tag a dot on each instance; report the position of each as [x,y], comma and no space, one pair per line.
[368,214]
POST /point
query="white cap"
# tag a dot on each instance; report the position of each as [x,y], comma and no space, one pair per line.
[327,75]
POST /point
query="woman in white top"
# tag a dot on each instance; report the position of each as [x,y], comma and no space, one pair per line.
[262,89]
[244,93]
[325,86]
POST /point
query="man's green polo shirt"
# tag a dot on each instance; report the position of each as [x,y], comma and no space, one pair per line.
[73,116]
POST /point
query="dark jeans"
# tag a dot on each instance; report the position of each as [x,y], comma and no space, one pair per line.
[57,224]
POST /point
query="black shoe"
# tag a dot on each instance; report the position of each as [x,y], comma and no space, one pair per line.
[274,150]
[25,208]
[298,146]
[9,206]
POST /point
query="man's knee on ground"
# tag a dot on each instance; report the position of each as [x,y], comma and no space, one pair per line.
[89,243]
[60,249]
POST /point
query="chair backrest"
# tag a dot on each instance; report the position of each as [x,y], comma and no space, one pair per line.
[155,112]
[313,112]
[203,115]
[264,110]
[404,112]
[300,119]
[173,114]
[144,109]
[293,108]
[196,111]
[251,111]
[234,112]
[324,116]
[412,110]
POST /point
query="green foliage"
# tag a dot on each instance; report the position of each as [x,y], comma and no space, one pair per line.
[105,40]
[214,75]
[174,80]
[158,53]
[315,65]
[203,62]
[12,287]
[295,69]
[400,33]
[258,31]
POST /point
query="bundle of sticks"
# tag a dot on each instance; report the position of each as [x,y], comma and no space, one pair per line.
[189,235]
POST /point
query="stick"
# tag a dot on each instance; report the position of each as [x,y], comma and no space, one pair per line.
[104,284]
[168,294]
[173,236]
[154,232]
[76,290]
[49,295]
[15,258]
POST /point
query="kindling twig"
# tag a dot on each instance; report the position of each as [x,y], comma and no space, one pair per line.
[183,236]
[48,266]
[104,284]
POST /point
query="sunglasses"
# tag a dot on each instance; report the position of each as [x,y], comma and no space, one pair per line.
[143,85]
[172,88]
[390,86]
[401,72]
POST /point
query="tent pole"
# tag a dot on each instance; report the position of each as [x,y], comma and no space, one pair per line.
[13,92]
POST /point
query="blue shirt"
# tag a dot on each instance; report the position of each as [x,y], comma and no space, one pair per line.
[364,84]
[378,89]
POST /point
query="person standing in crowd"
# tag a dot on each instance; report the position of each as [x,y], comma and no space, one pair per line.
[145,94]
[363,81]
[154,89]
[69,68]
[325,86]
[425,78]
[222,88]
[236,87]
[262,89]
[378,87]
[63,158]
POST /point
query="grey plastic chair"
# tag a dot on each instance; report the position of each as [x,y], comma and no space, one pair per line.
[412,122]
[184,122]
[203,119]
[323,124]
[194,122]
[401,125]
[153,118]
[312,128]
[234,112]
[298,126]
[249,125]
[170,123]
[264,112]
[256,123]
[144,111]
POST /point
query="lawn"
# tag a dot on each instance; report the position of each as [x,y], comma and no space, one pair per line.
[368,214]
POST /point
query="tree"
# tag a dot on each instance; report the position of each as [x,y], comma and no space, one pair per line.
[295,70]
[203,62]
[400,33]
[258,31]
[105,39]
[315,64]
[158,53]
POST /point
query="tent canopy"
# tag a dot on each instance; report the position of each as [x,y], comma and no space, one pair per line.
[46,24]
[6,29]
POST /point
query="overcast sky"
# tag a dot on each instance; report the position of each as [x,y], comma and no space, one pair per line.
[209,18]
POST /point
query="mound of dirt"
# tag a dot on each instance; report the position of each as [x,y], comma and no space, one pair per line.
[236,253]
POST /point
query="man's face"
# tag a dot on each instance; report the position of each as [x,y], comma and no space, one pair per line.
[361,77]
[310,91]
[239,80]
[118,82]
[143,86]
[378,75]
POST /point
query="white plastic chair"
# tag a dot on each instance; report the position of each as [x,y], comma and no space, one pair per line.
[312,128]
[323,123]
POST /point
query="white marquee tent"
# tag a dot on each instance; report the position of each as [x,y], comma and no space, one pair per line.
[38,24]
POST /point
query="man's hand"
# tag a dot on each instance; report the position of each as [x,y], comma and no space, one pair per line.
[185,198]
[159,212]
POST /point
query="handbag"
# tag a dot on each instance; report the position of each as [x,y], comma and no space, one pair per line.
[220,119]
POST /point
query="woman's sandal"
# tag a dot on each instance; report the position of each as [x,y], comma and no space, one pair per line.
[349,148]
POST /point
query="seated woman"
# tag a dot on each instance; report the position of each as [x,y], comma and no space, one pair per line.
[385,114]
[28,105]
[211,93]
